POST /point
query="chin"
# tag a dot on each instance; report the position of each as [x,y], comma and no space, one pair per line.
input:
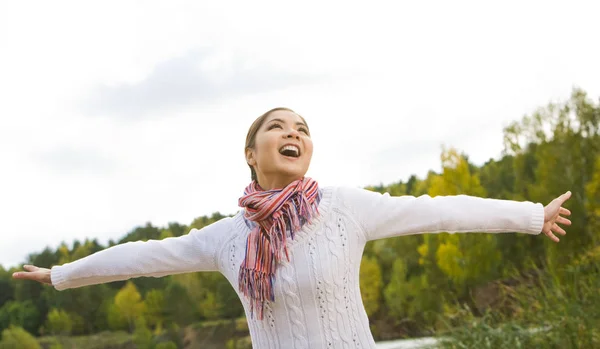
[293,173]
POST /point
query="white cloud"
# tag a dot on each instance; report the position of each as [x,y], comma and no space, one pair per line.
[395,82]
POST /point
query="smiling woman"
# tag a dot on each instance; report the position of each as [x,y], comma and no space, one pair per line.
[286,133]
[293,251]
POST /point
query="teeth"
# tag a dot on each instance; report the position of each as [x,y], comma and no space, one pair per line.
[293,148]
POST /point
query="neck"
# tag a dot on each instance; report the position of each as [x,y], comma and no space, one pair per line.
[275,182]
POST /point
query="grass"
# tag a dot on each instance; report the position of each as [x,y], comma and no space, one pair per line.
[103,340]
[561,311]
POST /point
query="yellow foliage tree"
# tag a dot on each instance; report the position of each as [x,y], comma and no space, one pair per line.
[16,337]
[464,258]
[129,304]
[59,322]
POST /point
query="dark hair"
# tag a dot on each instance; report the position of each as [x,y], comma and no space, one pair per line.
[256,125]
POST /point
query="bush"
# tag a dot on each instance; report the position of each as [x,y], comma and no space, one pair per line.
[17,337]
[59,322]
[564,309]
[166,345]
[142,337]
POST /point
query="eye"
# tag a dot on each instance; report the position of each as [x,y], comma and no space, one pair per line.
[274,125]
[303,129]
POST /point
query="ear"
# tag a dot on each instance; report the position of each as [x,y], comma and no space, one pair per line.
[250,159]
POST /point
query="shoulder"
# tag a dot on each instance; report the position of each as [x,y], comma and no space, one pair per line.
[354,198]
[217,230]
[352,194]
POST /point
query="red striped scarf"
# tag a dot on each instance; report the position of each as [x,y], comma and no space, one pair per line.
[277,212]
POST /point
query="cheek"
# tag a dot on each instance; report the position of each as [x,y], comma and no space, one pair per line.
[266,148]
[308,148]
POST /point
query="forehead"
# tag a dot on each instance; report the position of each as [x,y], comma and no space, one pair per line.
[286,116]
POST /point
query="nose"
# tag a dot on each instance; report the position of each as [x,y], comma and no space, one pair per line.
[293,134]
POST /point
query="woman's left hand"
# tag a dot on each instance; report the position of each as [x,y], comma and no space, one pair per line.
[553,216]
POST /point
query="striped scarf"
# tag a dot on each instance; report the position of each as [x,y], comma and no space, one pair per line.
[277,212]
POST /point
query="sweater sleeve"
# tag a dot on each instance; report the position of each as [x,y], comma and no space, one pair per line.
[195,251]
[382,215]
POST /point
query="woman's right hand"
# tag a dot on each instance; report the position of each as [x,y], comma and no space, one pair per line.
[41,275]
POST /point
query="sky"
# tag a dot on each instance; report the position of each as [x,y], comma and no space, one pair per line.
[118,113]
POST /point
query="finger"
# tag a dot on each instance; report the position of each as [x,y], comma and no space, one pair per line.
[559,230]
[39,277]
[29,267]
[563,211]
[563,220]
[23,275]
[552,236]
[564,197]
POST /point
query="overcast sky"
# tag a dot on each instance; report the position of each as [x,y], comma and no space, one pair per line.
[118,113]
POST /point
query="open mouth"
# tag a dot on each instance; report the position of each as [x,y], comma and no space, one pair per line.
[290,150]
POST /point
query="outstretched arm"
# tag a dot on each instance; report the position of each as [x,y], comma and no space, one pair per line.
[192,252]
[382,215]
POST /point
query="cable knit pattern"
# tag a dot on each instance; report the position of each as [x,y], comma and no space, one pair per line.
[318,303]
[294,306]
[318,289]
[338,241]
[352,319]
[326,288]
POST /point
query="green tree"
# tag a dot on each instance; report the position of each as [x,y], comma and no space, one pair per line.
[87,306]
[593,203]
[142,337]
[115,320]
[396,292]
[129,304]
[58,322]
[411,298]
[165,233]
[155,309]
[177,305]
[16,337]
[6,286]
[555,150]
[82,251]
[22,314]
[370,284]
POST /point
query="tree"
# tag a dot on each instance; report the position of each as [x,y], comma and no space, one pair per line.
[466,259]
[22,314]
[370,284]
[155,309]
[6,287]
[411,297]
[58,322]
[87,306]
[115,320]
[142,337]
[177,305]
[593,202]
[16,337]
[396,292]
[555,150]
[129,304]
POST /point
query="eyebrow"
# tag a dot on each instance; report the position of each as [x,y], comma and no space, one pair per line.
[299,123]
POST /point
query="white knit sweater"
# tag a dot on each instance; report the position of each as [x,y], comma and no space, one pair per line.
[317,296]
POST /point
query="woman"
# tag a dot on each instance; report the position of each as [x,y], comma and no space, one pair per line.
[293,252]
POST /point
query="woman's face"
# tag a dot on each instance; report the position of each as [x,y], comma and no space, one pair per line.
[282,150]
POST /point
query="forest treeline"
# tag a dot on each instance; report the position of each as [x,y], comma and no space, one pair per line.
[411,285]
